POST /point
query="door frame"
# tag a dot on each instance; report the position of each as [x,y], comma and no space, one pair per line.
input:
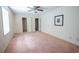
[33,24]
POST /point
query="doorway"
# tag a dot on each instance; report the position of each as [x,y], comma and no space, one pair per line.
[36,24]
[24,22]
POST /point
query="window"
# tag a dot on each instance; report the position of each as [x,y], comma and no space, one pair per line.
[5,16]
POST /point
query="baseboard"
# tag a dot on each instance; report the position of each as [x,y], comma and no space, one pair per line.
[60,37]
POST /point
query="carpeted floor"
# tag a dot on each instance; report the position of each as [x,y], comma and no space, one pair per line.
[39,42]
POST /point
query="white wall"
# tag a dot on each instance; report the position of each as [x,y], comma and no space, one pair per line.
[4,39]
[18,24]
[70,30]
[18,20]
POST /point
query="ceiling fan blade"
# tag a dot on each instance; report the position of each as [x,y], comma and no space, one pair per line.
[30,10]
[30,7]
[36,7]
[40,9]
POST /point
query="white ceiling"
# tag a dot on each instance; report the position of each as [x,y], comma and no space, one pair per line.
[24,9]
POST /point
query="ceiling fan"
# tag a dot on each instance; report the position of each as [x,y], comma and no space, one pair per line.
[36,9]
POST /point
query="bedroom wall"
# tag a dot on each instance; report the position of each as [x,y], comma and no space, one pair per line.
[4,39]
[18,20]
[70,30]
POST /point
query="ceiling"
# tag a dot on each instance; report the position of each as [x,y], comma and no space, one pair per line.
[24,9]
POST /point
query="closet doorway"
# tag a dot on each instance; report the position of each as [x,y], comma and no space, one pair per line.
[36,24]
[24,22]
